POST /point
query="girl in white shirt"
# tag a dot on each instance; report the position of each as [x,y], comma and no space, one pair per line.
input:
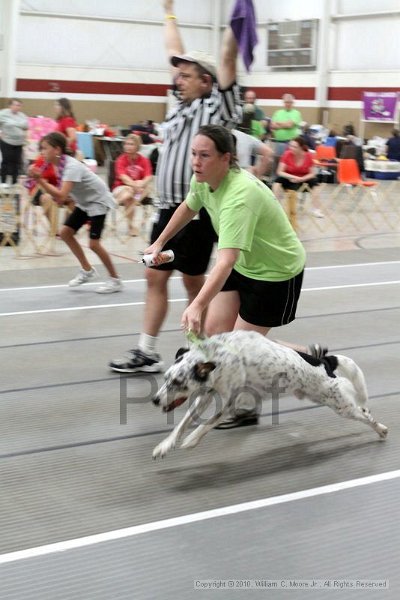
[92,202]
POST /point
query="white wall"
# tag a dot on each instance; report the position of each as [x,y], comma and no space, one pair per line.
[367,44]
[126,35]
[349,7]
[122,41]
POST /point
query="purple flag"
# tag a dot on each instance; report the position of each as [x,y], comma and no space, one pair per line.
[243,23]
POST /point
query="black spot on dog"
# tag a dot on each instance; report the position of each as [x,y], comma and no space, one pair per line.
[330,363]
[201,371]
[180,352]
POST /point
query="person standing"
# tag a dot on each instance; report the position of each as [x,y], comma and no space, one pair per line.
[92,202]
[250,98]
[13,126]
[204,97]
[66,123]
[285,125]
[256,281]
[252,153]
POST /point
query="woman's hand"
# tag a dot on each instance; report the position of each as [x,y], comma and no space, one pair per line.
[154,249]
[168,6]
[138,188]
[191,318]
[34,173]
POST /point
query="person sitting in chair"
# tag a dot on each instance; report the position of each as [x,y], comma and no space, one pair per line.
[133,175]
[41,198]
[296,168]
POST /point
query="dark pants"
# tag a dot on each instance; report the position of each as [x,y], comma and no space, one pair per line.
[10,162]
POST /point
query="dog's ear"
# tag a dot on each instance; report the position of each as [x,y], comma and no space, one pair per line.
[202,370]
[180,353]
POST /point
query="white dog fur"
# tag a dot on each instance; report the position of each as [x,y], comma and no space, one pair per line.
[216,369]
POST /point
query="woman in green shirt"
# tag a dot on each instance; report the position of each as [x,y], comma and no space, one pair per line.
[256,280]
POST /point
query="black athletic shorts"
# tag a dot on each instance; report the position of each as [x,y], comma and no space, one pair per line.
[192,245]
[79,217]
[290,185]
[265,303]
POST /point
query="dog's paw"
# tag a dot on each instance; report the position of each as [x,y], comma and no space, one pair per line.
[382,430]
[163,448]
[190,441]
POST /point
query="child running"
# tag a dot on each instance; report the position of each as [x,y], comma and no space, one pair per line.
[92,202]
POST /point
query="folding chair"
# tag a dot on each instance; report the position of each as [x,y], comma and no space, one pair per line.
[326,160]
[9,217]
[325,154]
[350,180]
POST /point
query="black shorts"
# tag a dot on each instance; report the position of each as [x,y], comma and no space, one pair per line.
[79,217]
[265,303]
[289,185]
[192,245]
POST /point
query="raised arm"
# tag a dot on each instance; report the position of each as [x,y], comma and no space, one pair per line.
[172,36]
[227,66]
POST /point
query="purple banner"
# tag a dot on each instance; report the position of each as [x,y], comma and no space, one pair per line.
[380,106]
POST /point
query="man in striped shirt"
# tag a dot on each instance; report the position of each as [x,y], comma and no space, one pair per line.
[205,96]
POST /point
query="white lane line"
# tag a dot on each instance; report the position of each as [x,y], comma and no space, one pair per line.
[372,264]
[141,303]
[350,285]
[64,285]
[54,310]
[119,534]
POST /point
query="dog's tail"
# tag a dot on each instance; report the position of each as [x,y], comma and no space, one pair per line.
[349,369]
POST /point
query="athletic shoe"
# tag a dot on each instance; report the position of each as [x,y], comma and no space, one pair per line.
[239,420]
[83,277]
[317,351]
[109,287]
[137,361]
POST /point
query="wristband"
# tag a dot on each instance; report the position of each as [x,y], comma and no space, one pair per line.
[170,16]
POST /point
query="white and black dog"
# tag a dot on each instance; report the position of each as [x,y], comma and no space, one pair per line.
[219,368]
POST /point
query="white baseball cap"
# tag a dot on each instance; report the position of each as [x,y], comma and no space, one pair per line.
[204,60]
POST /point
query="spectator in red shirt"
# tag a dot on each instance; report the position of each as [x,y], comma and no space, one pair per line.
[296,167]
[133,175]
[41,198]
[66,123]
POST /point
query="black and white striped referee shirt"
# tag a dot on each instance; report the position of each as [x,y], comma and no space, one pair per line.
[174,169]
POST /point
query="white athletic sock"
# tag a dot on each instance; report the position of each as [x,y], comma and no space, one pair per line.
[147,343]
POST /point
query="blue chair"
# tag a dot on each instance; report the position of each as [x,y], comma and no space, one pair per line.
[85,144]
[330,141]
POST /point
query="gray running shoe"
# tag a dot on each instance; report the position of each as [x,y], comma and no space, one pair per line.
[137,361]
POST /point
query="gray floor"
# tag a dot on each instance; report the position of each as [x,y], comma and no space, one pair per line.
[70,469]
